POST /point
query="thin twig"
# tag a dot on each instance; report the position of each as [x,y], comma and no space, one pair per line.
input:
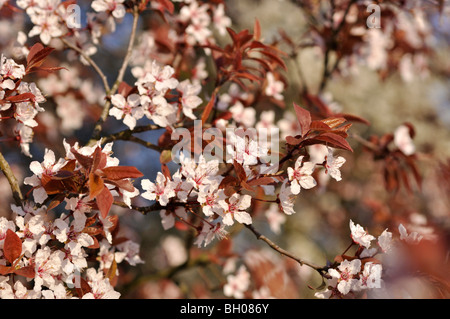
[331,41]
[6,169]
[126,60]
[277,248]
[90,61]
[134,139]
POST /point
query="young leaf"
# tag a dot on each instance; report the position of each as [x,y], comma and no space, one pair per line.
[334,140]
[104,201]
[209,108]
[12,247]
[96,185]
[304,118]
[121,172]
[27,272]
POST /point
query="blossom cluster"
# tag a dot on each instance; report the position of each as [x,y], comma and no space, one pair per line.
[71,256]
[19,100]
[352,276]
[154,83]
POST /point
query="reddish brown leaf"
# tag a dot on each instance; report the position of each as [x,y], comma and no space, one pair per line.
[256,30]
[334,140]
[334,122]
[81,285]
[240,172]
[124,89]
[319,126]
[121,172]
[124,184]
[104,201]
[85,161]
[12,247]
[96,158]
[354,118]
[293,140]
[96,185]
[304,118]
[261,181]
[36,56]
[4,270]
[27,272]
[112,271]
[228,181]
[21,97]
[209,108]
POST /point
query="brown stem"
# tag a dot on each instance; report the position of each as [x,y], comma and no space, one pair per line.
[6,169]
[277,248]
[90,61]
[126,60]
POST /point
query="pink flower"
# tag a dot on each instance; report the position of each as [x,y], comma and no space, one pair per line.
[333,164]
[129,110]
[300,175]
[345,275]
[403,140]
[115,7]
[234,207]
[160,191]
[237,284]
[360,236]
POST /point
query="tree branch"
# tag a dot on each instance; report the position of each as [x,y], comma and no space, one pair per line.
[131,138]
[90,61]
[126,60]
[6,169]
[320,270]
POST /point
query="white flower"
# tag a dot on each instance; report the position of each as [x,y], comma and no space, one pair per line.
[10,69]
[49,168]
[131,250]
[199,174]
[345,275]
[189,97]
[25,135]
[371,276]
[360,236]
[209,198]
[156,79]
[275,218]
[158,110]
[287,199]
[237,284]
[209,232]
[412,238]
[300,175]
[100,286]
[220,20]
[274,87]
[129,110]
[385,241]
[332,165]
[243,115]
[403,140]
[234,208]
[48,265]
[4,226]
[243,150]
[47,26]
[115,7]
[160,191]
